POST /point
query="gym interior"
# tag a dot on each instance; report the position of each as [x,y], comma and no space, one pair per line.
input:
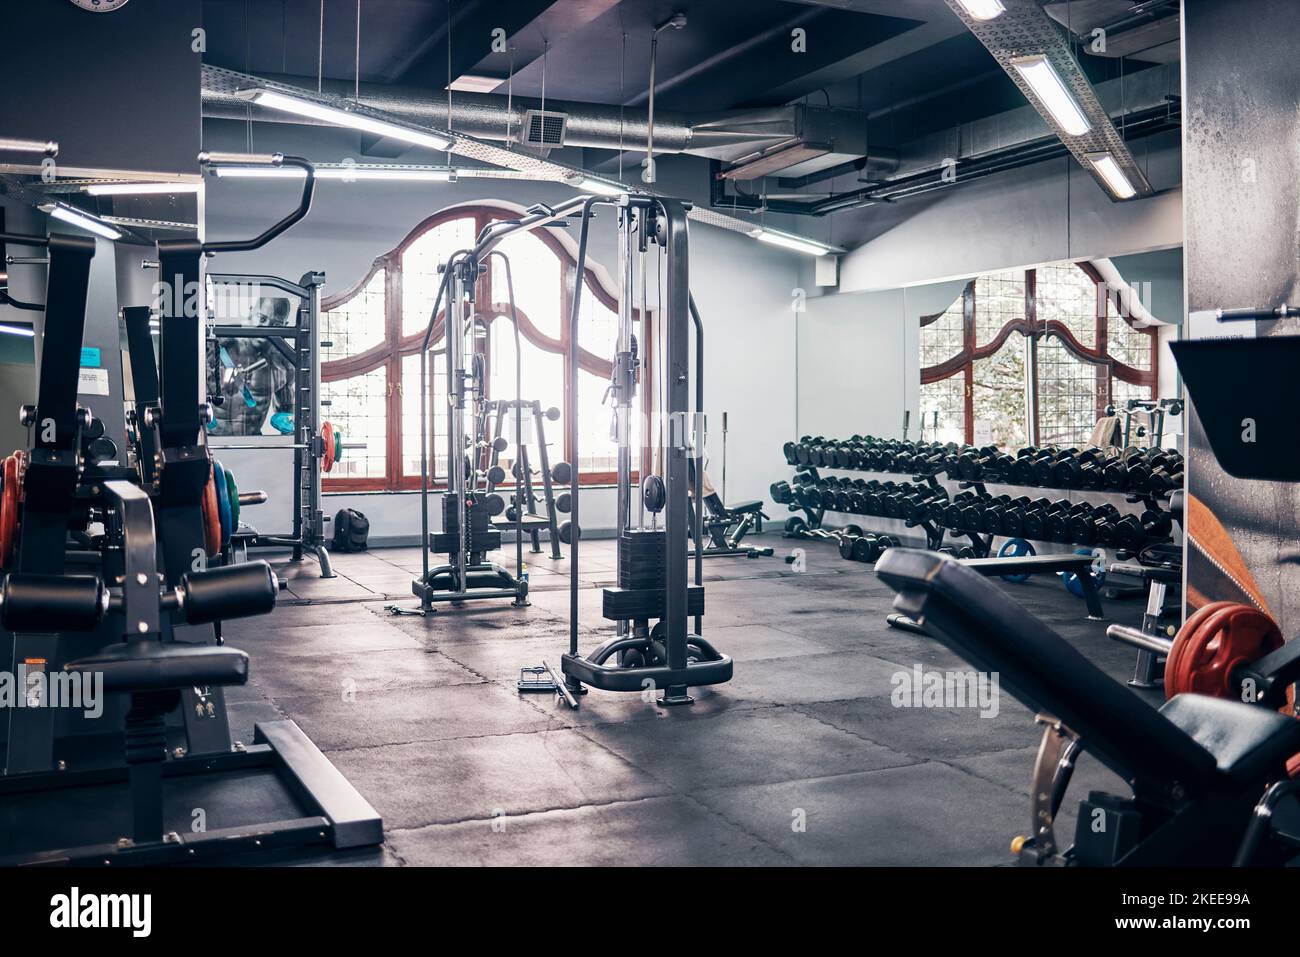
[906,360]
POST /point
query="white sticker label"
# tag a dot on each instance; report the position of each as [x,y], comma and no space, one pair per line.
[92,382]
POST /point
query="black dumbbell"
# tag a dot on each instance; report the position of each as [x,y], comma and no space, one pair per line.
[1095,526]
[1133,531]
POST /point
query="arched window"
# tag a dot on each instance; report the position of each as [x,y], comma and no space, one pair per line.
[1056,324]
[371,334]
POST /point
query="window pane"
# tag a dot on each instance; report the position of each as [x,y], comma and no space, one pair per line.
[420,261]
[598,327]
[358,408]
[536,272]
[1067,294]
[542,379]
[999,299]
[943,409]
[436,449]
[1067,395]
[943,338]
[999,396]
[357,324]
[1130,346]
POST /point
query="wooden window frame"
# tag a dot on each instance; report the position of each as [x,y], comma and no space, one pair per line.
[394,347]
[1106,365]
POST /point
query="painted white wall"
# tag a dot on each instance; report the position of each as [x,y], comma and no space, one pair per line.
[1046,212]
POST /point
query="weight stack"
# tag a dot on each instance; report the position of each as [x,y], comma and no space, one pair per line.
[641,559]
[642,577]
[480,536]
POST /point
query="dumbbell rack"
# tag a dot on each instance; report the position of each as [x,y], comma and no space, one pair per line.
[530,522]
[805,527]
[936,527]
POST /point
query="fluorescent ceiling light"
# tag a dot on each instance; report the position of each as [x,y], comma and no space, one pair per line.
[346,118]
[140,189]
[85,221]
[600,187]
[983,9]
[1051,91]
[350,173]
[473,83]
[1111,173]
[17,330]
[797,243]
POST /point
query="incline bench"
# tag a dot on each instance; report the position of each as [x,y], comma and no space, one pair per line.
[1197,767]
[1079,565]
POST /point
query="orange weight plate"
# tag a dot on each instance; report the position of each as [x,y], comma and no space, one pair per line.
[1214,642]
[211,516]
[1181,640]
[10,499]
[327,436]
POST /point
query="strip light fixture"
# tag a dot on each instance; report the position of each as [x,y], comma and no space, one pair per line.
[84,220]
[140,189]
[787,241]
[274,100]
[9,330]
[347,173]
[983,9]
[1037,71]
[1112,175]
[600,187]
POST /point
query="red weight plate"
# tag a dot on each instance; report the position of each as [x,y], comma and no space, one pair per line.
[1183,638]
[9,508]
[211,517]
[1225,639]
[327,436]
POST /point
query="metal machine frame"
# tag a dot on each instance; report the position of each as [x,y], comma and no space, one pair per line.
[308,534]
[159,540]
[681,659]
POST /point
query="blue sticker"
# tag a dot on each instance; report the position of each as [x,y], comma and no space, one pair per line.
[89,357]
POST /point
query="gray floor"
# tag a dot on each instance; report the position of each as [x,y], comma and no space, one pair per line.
[800,759]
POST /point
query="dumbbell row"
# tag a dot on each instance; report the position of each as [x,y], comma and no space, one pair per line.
[854,544]
[1149,472]
[1069,523]
[912,503]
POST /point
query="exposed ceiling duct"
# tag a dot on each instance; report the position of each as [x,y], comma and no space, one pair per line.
[790,140]
[1148,31]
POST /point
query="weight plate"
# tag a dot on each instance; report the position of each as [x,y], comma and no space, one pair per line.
[282,422]
[1212,643]
[211,517]
[1016,548]
[10,499]
[232,494]
[1098,572]
[223,500]
[327,439]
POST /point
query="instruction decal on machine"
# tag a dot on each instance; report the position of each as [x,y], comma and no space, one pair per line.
[92,382]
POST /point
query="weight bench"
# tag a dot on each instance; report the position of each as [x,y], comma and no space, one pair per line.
[1198,766]
[726,525]
[1078,565]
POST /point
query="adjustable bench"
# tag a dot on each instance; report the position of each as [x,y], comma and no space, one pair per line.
[1078,565]
[1197,767]
[726,525]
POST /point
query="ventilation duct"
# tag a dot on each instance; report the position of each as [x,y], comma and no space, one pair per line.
[792,140]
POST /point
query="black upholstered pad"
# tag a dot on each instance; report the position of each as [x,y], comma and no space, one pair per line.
[1247,740]
[971,615]
[154,666]
[742,508]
